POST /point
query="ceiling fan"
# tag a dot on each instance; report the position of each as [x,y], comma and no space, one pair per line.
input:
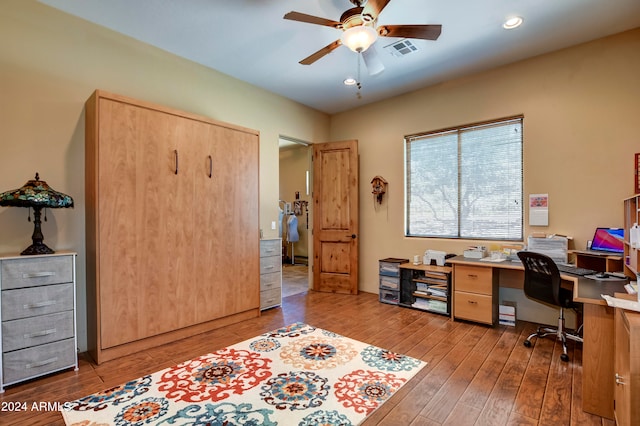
[359,32]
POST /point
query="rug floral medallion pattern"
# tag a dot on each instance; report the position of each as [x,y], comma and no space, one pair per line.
[295,375]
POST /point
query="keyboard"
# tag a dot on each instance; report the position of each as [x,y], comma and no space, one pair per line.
[570,269]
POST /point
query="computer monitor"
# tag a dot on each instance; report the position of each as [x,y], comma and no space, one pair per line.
[609,240]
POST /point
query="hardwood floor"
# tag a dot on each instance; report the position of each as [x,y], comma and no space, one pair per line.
[476,375]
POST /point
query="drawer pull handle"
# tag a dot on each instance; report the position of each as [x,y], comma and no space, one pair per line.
[38,274]
[472,276]
[473,302]
[39,304]
[42,363]
[619,379]
[269,267]
[40,333]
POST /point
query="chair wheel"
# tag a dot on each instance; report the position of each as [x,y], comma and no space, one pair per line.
[527,343]
[564,357]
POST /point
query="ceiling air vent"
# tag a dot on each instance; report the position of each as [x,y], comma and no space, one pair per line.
[401,48]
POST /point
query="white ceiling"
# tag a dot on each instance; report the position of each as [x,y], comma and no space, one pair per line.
[250,40]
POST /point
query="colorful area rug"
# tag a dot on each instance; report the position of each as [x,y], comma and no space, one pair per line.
[296,375]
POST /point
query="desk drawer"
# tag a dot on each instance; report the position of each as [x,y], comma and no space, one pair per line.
[24,333]
[270,264]
[29,302]
[32,362]
[474,279]
[19,273]
[474,307]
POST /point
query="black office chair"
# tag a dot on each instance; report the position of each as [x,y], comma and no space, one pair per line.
[542,283]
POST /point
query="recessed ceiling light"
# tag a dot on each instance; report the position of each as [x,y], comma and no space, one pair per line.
[350,81]
[512,23]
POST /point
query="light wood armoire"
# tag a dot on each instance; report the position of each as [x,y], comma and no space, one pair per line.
[172,225]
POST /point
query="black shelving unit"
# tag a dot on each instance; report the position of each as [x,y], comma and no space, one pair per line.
[426,287]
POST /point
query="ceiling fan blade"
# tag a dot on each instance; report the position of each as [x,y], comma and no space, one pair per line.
[320,53]
[424,32]
[310,19]
[372,61]
[373,8]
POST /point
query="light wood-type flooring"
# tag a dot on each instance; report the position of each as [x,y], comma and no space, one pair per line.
[295,279]
[476,375]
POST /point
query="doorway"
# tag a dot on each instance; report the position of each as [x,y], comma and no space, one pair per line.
[295,203]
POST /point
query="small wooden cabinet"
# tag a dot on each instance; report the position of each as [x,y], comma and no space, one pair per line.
[426,287]
[627,368]
[270,273]
[475,294]
[38,312]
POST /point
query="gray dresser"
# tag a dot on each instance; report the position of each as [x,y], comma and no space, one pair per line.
[270,273]
[38,312]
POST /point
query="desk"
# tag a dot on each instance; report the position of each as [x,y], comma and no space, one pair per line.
[481,279]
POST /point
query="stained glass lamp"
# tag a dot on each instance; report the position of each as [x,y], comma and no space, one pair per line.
[36,194]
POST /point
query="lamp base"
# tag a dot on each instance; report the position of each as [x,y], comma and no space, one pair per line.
[38,248]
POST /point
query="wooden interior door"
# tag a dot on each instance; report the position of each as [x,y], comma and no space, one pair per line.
[335,217]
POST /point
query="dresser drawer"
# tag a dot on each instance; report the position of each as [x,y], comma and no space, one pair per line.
[474,279]
[29,302]
[269,298]
[474,307]
[27,332]
[270,280]
[270,264]
[38,360]
[270,248]
[30,272]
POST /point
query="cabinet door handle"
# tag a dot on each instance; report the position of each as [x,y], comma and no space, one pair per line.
[38,274]
[39,304]
[175,152]
[619,379]
[42,363]
[210,166]
[40,333]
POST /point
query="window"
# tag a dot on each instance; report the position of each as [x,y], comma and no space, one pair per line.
[465,182]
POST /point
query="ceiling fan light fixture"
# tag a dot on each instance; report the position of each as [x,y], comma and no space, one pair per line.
[359,38]
[513,22]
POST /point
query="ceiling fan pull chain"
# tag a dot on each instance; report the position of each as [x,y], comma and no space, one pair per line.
[358,80]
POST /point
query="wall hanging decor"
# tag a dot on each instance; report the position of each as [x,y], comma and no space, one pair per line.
[379,185]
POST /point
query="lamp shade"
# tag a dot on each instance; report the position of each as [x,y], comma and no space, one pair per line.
[37,195]
[359,38]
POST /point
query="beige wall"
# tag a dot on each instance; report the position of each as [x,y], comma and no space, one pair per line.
[50,63]
[581,111]
[580,105]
